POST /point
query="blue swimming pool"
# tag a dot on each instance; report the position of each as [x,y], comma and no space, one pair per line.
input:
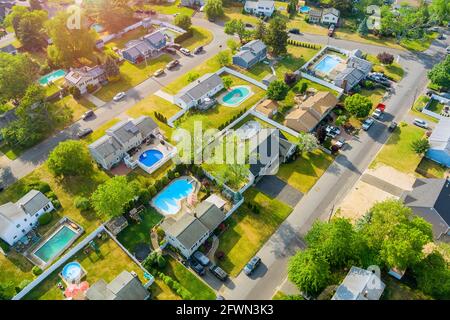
[327,64]
[304,9]
[168,200]
[235,96]
[56,244]
[55,75]
[149,157]
[72,271]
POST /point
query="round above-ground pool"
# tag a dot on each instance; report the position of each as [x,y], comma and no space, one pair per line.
[304,9]
[235,96]
[72,272]
[168,200]
[149,157]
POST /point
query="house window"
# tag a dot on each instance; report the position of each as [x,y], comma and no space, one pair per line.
[25,219]
[23,230]
[36,215]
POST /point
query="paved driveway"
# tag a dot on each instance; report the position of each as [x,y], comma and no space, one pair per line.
[277,188]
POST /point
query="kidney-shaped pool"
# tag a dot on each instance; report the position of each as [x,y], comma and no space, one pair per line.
[168,200]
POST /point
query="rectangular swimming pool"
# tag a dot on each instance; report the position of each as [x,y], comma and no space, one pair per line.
[53,76]
[57,243]
[327,64]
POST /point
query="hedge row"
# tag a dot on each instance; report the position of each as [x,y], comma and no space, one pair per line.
[303,44]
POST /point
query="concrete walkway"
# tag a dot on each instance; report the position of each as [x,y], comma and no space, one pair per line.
[382,184]
[212,251]
[98,102]
[166,96]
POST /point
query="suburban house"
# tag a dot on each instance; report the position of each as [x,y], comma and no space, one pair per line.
[9,49]
[314,16]
[111,148]
[148,46]
[307,114]
[360,284]
[357,69]
[260,8]
[330,16]
[192,3]
[5,9]
[190,231]
[250,54]
[126,286]
[84,77]
[267,107]
[439,140]
[430,199]
[267,157]
[17,219]
[199,92]
[269,79]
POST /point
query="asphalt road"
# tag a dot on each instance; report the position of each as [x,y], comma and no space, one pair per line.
[339,178]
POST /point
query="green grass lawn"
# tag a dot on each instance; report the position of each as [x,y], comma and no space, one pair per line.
[200,37]
[435,106]
[393,71]
[248,231]
[431,169]
[198,289]
[303,173]
[107,264]
[375,95]
[131,35]
[131,76]
[137,233]
[168,8]
[397,151]
[78,107]
[100,131]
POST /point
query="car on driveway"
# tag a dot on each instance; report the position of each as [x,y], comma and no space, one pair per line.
[294,31]
[185,51]
[87,114]
[170,50]
[158,72]
[340,143]
[198,50]
[420,123]
[201,258]
[252,265]
[197,267]
[84,132]
[368,123]
[331,30]
[332,131]
[119,96]
[172,64]
[392,126]
[218,272]
[377,114]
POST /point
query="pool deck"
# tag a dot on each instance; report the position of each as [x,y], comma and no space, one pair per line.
[340,66]
[29,253]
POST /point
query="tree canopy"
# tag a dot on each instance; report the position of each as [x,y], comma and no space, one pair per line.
[358,105]
[237,26]
[183,21]
[213,9]
[277,90]
[277,36]
[440,74]
[114,15]
[70,158]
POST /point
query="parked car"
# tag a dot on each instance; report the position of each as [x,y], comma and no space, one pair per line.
[340,143]
[119,96]
[252,265]
[368,123]
[218,272]
[332,131]
[420,123]
[176,46]
[158,72]
[83,133]
[248,25]
[441,36]
[172,64]
[331,30]
[185,51]
[201,258]
[170,50]
[198,50]
[294,31]
[392,126]
[87,114]
[448,50]
[219,297]
[377,114]
[197,267]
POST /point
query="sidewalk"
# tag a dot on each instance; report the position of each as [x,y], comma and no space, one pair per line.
[98,103]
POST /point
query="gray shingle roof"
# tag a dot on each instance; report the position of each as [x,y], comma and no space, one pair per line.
[245,55]
[352,75]
[33,201]
[200,87]
[254,45]
[124,287]
[333,11]
[188,230]
[155,38]
[124,131]
[209,215]
[106,146]
[8,49]
[145,125]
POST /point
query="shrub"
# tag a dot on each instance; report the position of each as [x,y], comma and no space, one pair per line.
[45,218]
[152,190]
[303,87]
[90,88]
[385,58]
[22,285]
[51,195]
[4,246]
[82,203]
[75,92]
[41,186]
[56,204]
[177,175]
[161,262]
[290,78]
[36,271]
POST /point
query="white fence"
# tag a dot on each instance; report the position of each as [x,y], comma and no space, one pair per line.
[58,263]
[275,124]
[432,114]
[441,100]
[242,76]
[234,208]
[324,83]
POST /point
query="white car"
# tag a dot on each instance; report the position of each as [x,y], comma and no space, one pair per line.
[420,123]
[377,114]
[158,72]
[185,51]
[119,96]
[368,123]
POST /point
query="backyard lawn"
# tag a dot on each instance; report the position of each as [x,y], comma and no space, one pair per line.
[303,173]
[106,264]
[393,71]
[168,8]
[248,231]
[397,151]
[431,169]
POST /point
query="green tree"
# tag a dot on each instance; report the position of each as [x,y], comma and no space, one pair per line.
[292,8]
[14,17]
[277,90]
[233,45]
[70,158]
[227,82]
[440,74]
[309,271]
[6,290]
[111,198]
[29,28]
[277,36]
[213,9]
[17,73]
[192,76]
[307,142]
[183,21]
[433,276]
[236,26]
[440,10]
[362,28]
[358,105]
[111,68]
[260,30]
[224,58]
[420,146]
[114,15]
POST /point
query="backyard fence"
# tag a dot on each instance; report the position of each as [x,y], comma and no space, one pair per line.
[242,76]
[275,124]
[324,83]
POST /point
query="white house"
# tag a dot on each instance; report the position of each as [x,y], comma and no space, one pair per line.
[261,7]
[17,219]
[83,77]
[330,16]
[360,284]
[199,91]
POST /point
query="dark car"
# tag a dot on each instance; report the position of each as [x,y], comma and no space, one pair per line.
[248,25]
[83,133]
[170,50]
[392,126]
[87,114]
[198,50]
[252,265]
[294,31]
[218,272]
[197,267]
[201,258]
[176,46]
